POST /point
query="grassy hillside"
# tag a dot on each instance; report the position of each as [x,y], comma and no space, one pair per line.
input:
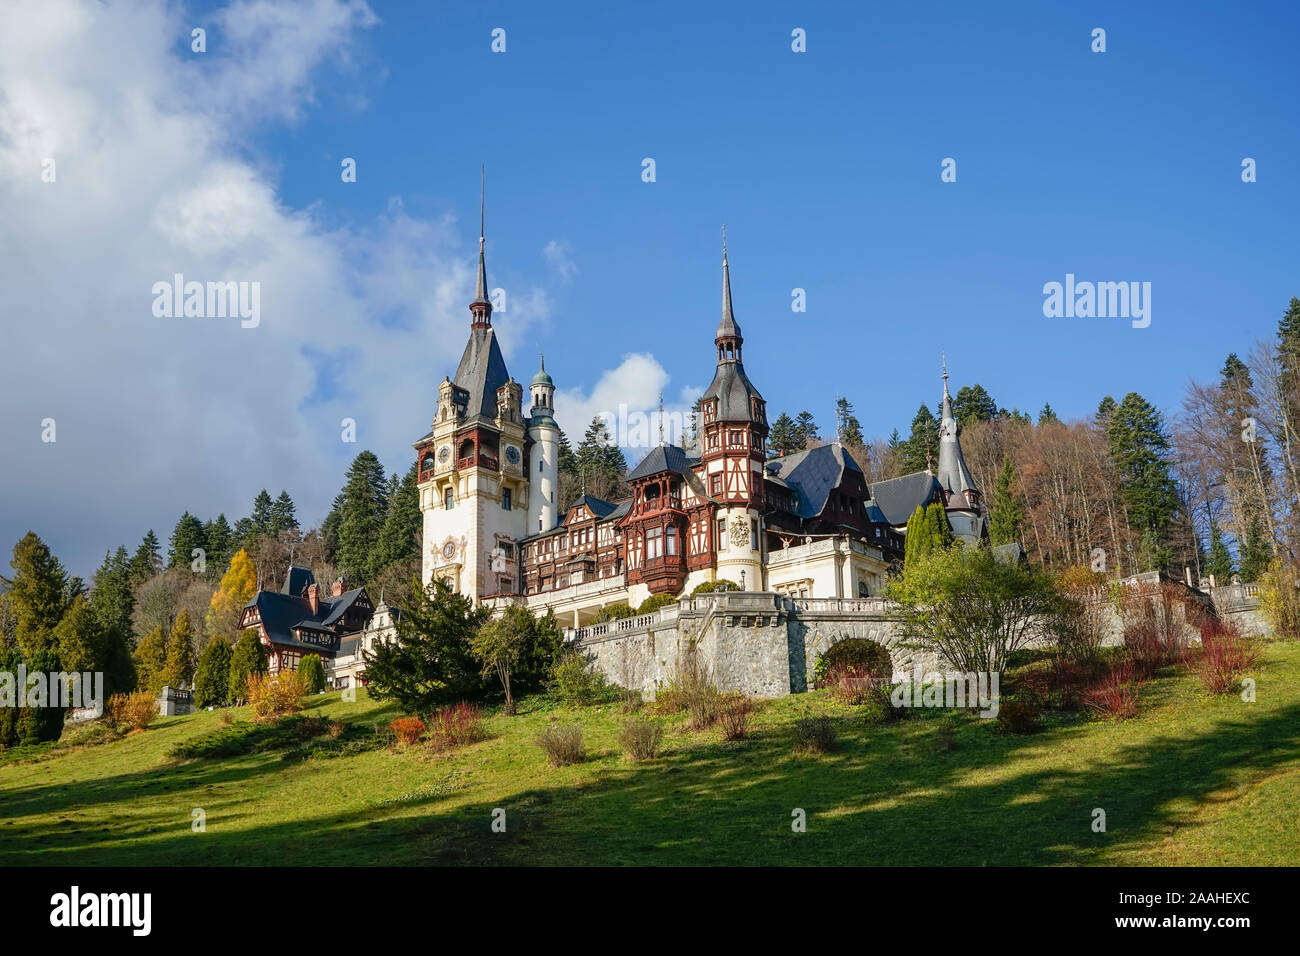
[1194,780]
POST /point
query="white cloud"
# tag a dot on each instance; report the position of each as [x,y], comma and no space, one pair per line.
[156,416]
[559,254]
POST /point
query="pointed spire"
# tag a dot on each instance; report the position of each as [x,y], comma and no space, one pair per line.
[946,411]
[954,477]
[661,419]
[728,338]
[481,307]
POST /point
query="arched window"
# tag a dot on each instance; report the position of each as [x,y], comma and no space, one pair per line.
[467,448]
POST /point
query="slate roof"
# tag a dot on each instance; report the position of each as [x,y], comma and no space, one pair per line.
[897,498]
[282,613]
[597,506]
[813,474]
[664,458]
[481,372]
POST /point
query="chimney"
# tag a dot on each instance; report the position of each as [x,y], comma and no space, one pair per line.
[313,598]
[336,588]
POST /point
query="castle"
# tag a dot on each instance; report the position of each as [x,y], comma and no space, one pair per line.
[723,510]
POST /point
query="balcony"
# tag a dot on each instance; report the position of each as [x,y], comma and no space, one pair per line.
[478,461]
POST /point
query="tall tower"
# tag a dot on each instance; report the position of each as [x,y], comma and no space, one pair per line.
[544,457]
[962,500]
[733,451]
[472,483]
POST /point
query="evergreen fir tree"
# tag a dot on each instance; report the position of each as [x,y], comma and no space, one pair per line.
[150,660]
[329,529]
[178,668]
[312,673]
[805,430]
[1005,513]
[913,535]
[218,536]
[1104,411]
[262,518]
[1047,415]
[399,540]
[186,537]
[361,517]
[113,600]
[1256,552]
[212,675]
[973,404]
[79,639]
[147,561]
[247,658]
[1219,562]
[37,595]
[283,514]
[850,430]
[600,462]
[1139,453]
[782,439]
[937,529]
[922,447]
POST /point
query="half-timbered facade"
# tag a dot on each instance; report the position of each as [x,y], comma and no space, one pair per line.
[298,620]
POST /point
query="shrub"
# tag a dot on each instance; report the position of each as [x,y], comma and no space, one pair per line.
[136,711]
[711,587]
[630,700]
[690,689]
[734,711]
[850,684]
[654,602]
[227,718]
[212,675]
[305,728]
[641,739]
[574,682]
[336,729]
[1114,697]
[1155,620]
[868,658]
[1225,656]
[1279,594]
[456,725]
[312,672]
[814,735]
[277,695]
[1018,717]
[878,707]
[562,745]
[407,730]
[613,612]
[946,733]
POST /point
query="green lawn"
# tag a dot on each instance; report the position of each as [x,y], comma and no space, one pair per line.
[1195,780]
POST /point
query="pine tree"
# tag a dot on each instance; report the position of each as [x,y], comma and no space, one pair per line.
[361,517]
[850,429]
[147,561]
[1104,411]
[262,518]
[1048,415]
[312,673]
[113,600]
[248,657]
[1256,552]
[283,514]
[805,430]
[212,675]
[218,535]
[973,404]
[1139,453]
[79,638]
[178,669]
[600,462]
[150,659]
[1005,513]
[329,529]
[37,594]
[922,447]
[238,585]
[399,541]
[1219,563]
[782,439]
[186,537]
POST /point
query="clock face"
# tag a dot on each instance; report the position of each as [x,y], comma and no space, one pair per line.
[444,454]
[512,454]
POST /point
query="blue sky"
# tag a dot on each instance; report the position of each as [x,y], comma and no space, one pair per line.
[825,166]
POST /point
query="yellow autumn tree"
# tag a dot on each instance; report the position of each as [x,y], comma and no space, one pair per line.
[238,585]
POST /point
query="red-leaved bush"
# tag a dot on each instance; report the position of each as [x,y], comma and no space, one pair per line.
[407,729]
[456,725]
[1225,656]
[1114,697]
